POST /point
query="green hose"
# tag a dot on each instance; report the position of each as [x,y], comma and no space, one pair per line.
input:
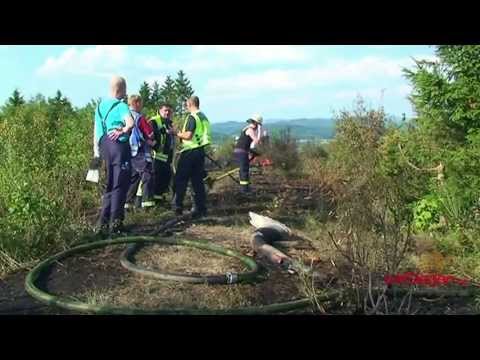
[74,305]
[228,278]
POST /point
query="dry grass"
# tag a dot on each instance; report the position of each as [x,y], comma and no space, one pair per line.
[141,292]
[181,259]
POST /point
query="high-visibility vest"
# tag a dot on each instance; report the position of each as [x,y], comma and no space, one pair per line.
[202,135]
[161,139]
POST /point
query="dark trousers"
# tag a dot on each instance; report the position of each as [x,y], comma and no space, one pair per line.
[142,175]
[191,166]
[117,161]
[162,171]
[242,159]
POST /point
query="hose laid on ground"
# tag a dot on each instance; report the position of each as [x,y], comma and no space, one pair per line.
[74,305]
[228,278]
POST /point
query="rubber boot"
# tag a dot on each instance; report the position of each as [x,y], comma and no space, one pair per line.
[117,228]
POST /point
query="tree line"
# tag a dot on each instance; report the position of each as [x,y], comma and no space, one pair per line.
[172,91]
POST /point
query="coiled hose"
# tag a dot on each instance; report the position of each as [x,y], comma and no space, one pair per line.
[228,278]
[66,303]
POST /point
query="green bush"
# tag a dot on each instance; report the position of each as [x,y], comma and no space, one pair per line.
[426,213]
[224,152]
[313,150]
[282,149]
[46,150]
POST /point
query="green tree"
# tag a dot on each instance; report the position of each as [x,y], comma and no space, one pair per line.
[183,90]
[60,101]
[446,95]
[16,99]
[146,95]
[156,94]
[168,93]
[447,92]
[39,99]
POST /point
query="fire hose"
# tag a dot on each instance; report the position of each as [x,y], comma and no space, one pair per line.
[33,277]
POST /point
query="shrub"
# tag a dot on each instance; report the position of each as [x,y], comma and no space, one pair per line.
[282,149]
[43,194]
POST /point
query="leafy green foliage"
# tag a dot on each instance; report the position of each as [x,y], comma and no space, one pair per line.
[46,148]
[446,130]
[426,213]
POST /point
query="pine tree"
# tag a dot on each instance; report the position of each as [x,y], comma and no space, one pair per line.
[168,93]
[38,99]
[60,103]
[183,90]
[146,95]
[16,99]
[156,95]
[59,100]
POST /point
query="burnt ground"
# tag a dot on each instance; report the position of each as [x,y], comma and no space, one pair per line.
[98,277]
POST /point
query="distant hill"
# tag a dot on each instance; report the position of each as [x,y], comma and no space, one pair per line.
[300,128]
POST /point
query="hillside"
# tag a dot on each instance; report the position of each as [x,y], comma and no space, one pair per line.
[301,128]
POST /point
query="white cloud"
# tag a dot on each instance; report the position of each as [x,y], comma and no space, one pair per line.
[293,101]
[364,69]
[374,93]
[153,63]
[254,54]
[100,60]
[160,79]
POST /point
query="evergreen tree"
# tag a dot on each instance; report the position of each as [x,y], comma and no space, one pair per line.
[446,92]
[38,99]
[168,93]
[146,95]
[16,99]
[183,90]
[60,101]
[156,95]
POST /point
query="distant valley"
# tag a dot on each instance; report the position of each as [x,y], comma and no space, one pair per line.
[302,129]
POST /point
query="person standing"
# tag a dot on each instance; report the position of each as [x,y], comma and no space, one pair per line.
[195,136]
[141,141]
[113,123]
[244,149]
[163,150]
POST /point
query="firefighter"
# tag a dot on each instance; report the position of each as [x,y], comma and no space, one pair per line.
[163,150]
[195,136]
[244,149]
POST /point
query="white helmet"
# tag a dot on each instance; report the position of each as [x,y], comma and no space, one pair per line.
[257,118]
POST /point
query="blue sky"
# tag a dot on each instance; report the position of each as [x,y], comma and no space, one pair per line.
[232,81]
